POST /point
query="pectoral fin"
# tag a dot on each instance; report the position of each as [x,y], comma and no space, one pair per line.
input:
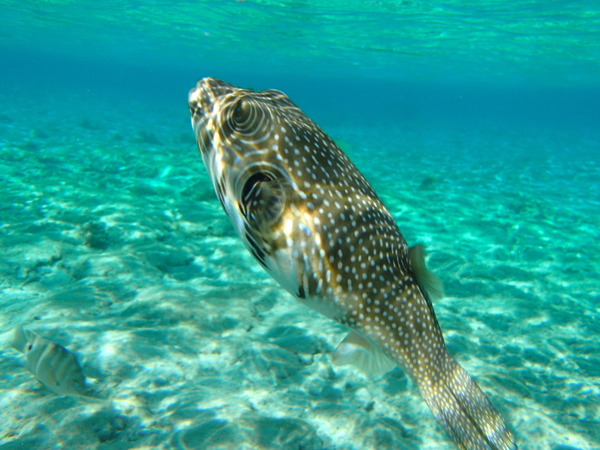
[263,199]
[365,356]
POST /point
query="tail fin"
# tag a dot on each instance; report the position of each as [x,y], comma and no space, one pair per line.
[19,339]
[464,411]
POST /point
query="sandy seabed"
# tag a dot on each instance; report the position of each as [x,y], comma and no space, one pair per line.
[114,246]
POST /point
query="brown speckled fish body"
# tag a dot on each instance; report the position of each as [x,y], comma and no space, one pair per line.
[316,225]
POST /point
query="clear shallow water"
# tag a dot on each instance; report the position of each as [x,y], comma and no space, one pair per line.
[114,245]
[540,42]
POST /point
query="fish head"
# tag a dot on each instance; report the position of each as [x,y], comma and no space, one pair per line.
[242,136]
[251,144]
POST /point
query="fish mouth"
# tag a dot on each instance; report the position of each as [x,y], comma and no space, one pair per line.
[199,117]
[208,91]
[203,103]
[197,111]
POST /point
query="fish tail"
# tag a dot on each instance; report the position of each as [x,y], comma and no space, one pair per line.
[464,411]
[19,339]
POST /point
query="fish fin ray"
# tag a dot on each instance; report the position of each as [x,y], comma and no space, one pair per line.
[427,280]
[362,354]
[264,199]
[20,339]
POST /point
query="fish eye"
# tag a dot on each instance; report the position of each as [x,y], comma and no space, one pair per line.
[29,347]
[239,111]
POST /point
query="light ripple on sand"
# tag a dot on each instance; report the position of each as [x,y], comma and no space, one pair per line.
[121,252]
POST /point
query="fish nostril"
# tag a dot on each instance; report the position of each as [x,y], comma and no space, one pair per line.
[195,109]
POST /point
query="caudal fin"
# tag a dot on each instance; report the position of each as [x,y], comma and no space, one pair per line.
[19,339]
[464,411]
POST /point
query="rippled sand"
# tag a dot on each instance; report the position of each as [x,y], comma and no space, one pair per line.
[114,245]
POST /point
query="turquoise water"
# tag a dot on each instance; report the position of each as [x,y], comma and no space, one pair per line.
[477,124]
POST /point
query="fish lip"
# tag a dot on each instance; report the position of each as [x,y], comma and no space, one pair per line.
[197,112]
[199,118]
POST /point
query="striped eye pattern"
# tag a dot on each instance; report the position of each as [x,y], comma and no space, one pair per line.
[239,116]
[244,119]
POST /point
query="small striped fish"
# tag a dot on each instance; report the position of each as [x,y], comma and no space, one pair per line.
[52,364]
[315,224]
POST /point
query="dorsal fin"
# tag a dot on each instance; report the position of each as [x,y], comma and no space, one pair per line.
[426,279]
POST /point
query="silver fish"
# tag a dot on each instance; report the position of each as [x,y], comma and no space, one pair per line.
[53,365]
[315,224]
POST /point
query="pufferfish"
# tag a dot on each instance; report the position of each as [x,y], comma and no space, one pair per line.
[316,225]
